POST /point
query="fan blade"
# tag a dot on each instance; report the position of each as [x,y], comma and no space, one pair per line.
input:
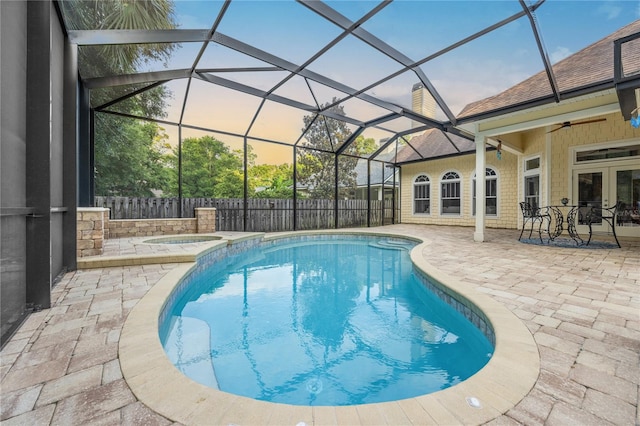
[562,126]
[569,124]
[597,120]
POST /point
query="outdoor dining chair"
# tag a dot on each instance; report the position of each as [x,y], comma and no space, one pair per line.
[532,216]
[607,214]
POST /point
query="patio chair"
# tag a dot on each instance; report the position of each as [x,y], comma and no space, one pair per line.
[607,214]
[532,215]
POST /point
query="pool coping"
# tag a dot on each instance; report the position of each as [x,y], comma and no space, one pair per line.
[498,386]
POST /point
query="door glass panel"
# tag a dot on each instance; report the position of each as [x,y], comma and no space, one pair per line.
[532,190]
[589,195]
[628,194]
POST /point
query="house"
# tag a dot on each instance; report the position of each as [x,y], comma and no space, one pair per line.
[380,179]
[563,133]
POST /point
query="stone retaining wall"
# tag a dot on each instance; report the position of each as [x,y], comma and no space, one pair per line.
[150,227]
[90,232]
[94,226]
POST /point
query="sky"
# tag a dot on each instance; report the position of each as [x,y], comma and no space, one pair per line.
[417,28]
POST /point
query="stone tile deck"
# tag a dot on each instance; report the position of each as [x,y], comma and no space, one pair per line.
[581,305]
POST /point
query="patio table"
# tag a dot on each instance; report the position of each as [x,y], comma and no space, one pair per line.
[558,216]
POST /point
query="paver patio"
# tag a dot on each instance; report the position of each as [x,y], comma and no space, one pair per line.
[581,305]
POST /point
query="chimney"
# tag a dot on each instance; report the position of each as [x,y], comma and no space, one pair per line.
[422,102]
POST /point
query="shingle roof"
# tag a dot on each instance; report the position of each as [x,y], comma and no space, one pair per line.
[376,173]
[434,143]
[592,65]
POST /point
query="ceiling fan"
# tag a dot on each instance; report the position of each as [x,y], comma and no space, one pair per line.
[568,124]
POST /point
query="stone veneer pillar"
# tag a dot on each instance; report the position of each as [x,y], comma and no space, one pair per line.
[205,220]
[91,229]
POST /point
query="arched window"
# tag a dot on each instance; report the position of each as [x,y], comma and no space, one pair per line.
[450,194]
[422,195]
[490,192]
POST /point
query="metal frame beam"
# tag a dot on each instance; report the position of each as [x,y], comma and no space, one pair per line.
[101,37]
[254,52]
[626,86]
[543,52]
[336,18]
[130,95]
[446,49]
[140,78]
[349,140]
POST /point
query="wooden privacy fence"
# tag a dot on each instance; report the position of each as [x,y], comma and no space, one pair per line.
[151,208]
[263,215]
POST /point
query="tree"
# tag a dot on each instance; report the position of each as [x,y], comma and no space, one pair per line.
[316,167]
[125,154]
[365,146]
[271,181]
[209,169]
[130,169]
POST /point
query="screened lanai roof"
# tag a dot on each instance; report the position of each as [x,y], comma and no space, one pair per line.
[256,69]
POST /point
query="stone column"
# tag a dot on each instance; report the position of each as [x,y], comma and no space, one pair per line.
[205,220]
[91,230]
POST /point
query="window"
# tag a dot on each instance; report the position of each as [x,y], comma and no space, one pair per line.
[608,153]
[491,193]
[421,195]
[450,194]
[532,182]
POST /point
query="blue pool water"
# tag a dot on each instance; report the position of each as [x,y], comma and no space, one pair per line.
[324,322]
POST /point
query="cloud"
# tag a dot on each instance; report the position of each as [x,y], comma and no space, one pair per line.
[559,54]
[610,10]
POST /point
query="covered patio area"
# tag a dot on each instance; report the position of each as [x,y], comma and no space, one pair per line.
[580,304]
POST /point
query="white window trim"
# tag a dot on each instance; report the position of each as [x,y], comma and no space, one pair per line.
[413,195]
[533,172]
[497,179]
[460,181]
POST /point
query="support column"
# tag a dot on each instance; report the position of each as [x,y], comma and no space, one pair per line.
[70,150]
[84,147]
[335,191]
[546,199]
[295,188]
[38,154]
[368,193]
[481,162]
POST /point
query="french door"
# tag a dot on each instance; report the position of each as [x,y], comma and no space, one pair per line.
[603,186]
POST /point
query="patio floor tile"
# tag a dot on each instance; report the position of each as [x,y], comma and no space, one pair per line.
[581,305]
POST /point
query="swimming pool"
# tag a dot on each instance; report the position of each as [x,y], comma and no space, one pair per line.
[320,321]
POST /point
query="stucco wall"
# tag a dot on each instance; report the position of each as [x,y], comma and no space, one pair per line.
[465,167]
